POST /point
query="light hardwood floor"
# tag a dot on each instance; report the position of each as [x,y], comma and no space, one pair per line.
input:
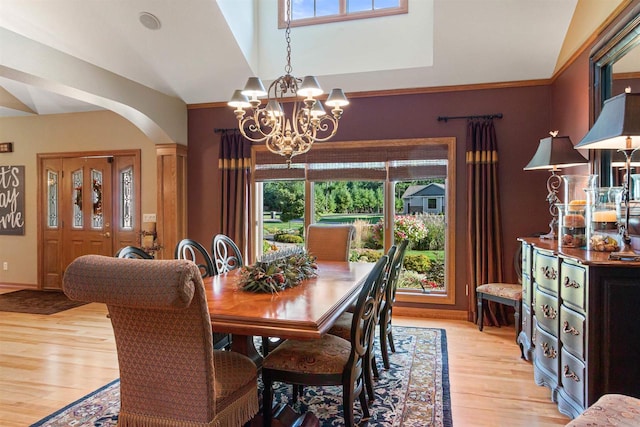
[47,362]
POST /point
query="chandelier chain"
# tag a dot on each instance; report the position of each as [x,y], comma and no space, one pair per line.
[287,68]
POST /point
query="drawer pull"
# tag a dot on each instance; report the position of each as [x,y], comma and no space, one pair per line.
[549,272]
[569,374]
[569,329]
[569,283]
[548,351]
[548,311]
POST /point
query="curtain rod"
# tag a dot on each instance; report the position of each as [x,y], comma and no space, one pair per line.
[485,116]
[220,130]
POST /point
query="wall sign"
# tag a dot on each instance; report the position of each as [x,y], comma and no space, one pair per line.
[12,200]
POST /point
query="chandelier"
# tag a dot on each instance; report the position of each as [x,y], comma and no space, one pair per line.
[288,132]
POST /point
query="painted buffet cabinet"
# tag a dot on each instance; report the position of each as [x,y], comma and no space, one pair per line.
[580,323]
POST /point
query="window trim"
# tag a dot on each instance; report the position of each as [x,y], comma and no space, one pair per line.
[447,298]
[342,16]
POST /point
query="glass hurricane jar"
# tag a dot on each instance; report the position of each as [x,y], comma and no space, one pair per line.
[602,225]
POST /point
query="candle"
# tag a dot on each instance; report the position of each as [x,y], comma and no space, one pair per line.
[604,216]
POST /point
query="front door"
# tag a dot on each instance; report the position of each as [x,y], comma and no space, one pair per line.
[88,205]
[86,212]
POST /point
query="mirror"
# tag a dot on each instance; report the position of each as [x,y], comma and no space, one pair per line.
[615,62]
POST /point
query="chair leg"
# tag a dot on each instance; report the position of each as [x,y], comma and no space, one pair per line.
[368,378]
[480,312]
[383,343]
[267,399]
[516,318]
[347,404]
[374,365]
[392,346]
[365,409]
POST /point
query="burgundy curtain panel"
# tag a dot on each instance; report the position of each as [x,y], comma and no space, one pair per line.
[235,168]
[484,231]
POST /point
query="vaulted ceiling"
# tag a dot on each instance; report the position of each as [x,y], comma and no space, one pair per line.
[62,56]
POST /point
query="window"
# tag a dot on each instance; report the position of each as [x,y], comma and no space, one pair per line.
[311,12]
[379,186]
[432,203]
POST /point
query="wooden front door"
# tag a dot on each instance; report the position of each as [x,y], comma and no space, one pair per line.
[88,205]
[86,212]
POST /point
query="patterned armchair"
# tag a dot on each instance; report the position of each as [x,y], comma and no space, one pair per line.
[610,410]
[169,372]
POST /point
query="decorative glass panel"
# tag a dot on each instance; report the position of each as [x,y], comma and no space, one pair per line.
[97,218]
[126,202]
[76,179]
[52,199]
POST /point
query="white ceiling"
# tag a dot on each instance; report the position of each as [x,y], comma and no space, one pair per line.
[60,56]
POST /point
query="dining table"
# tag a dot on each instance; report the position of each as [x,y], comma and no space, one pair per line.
[305,311]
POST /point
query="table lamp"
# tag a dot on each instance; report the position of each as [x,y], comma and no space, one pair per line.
[553,152]
[618,127]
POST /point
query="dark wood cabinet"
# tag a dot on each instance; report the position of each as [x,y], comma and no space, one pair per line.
[580,323]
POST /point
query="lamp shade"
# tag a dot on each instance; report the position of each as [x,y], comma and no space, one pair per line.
[617,126]
[555,151]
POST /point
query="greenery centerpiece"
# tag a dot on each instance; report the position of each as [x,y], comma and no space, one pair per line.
[278,271]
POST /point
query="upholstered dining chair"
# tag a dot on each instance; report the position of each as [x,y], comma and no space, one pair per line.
[509,294]
[170,375]
[133,252]
[226,254]
[329,242]
[191,250]
[386,310]
[330,360]
[342,327]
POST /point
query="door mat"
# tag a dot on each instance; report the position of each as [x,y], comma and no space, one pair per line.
[36,302]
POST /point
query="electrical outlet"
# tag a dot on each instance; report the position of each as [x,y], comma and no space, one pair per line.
[149,217]
[5,266]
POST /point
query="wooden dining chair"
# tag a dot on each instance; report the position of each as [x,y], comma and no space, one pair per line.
[329,242]
[330,360]
[170,375]
[386,310]
[226,254]
[193,251]
[133,252]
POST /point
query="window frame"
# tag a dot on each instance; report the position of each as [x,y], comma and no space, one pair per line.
[446,298]
[343,15]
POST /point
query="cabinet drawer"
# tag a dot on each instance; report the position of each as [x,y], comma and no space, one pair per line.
[572,285]
[573,377]
[572,326]
[527,327]
[527,290]
[546,310]
[546,352]
[526,258]
[546,271]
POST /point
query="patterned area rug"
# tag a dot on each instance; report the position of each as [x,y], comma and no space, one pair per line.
[36,302]
[413,393]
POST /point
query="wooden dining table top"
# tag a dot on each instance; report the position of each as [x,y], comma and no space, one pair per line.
[306,311]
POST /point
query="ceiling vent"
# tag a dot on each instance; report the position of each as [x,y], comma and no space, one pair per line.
[150,21]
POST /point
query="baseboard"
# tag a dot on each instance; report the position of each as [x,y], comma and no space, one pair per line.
[430,313]
[17,286]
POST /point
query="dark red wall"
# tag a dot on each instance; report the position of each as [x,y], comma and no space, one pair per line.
[526,118]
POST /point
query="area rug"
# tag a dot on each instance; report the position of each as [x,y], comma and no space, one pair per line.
[36,302]
[414,392]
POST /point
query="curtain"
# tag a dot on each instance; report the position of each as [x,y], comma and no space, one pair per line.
[235,168]
[484,231]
